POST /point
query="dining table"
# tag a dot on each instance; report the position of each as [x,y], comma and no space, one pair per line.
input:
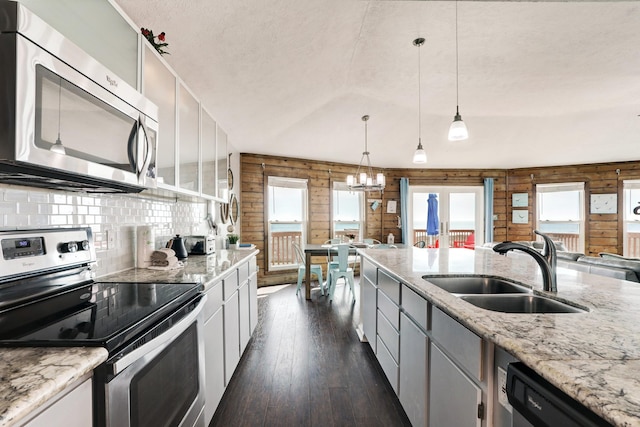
[313,249]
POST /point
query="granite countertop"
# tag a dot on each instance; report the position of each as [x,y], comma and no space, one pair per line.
[30,376]
[201,269]
[594,357]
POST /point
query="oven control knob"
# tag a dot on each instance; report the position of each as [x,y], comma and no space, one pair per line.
[84,245]
[69,247]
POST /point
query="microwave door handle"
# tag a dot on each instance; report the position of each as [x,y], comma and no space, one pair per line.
[147,149]
[131,145]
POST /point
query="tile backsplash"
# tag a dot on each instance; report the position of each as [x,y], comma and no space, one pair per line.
[113,218]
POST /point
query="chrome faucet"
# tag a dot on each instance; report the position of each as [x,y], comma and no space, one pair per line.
[547,259]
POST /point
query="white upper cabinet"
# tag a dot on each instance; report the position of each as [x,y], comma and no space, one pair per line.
[225,177]
[159,85]
[189,140]
[98,28]
[208,154]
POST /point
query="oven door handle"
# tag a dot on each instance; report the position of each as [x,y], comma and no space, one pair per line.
[160,341]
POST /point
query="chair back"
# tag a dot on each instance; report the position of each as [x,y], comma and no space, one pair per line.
[333,242]
[299,254]
[372,241]
[343,255]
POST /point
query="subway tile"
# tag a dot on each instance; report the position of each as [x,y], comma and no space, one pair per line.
[16,196]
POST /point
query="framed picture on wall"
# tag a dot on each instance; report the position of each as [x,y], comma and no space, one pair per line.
[604,203]
[520,200]
[520,216]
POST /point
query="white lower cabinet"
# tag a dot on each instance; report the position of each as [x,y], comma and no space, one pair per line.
[243,300]
[455,400]
[231,336]
[414,371]
[213,351]
[77,400]
[231,315]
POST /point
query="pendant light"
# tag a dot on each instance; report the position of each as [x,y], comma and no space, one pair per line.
[458,130]
[420,156]
[58,147]
[364,179]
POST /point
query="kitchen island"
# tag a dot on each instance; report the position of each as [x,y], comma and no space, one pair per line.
[593,356]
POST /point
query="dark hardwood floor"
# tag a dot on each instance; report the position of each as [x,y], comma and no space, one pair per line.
[305,366]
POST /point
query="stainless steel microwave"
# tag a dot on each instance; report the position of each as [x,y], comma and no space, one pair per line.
[66,121]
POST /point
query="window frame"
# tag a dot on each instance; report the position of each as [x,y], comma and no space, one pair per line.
[342,187]
[630,184]
[580,187]
[285,182]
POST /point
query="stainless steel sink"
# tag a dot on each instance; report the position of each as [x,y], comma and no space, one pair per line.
[477,285]
[520,304]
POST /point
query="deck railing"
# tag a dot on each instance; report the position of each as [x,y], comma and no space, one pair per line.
[633,245]
[457,238]
[571,241]
[281,252]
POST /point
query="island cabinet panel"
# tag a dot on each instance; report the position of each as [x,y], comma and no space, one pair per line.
[389,308]
[390,286]
[369,310]
[388,364]
[369,271]
[415,307]
[459,342]
[414,372]
[253,302]
[389,335]
[75,400]
[454,399]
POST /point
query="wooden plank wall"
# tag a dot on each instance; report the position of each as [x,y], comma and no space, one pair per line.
[603,231]
[255,168]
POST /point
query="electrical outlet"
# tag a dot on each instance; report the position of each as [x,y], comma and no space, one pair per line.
[502,389]
[111,239]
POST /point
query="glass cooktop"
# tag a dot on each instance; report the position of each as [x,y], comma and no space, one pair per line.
[115,313]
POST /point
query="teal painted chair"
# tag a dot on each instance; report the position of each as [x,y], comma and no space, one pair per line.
[343,271]
[315,268]
[332,261]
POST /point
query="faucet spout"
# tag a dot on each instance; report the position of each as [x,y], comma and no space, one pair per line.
[547,260]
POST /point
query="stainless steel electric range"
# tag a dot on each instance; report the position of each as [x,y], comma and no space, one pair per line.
[153,331]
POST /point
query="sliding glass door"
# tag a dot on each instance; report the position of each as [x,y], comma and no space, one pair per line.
[446,216]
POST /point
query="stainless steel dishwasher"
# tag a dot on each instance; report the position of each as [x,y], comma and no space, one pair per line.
[538,403]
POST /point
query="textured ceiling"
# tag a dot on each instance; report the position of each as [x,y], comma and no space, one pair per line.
[540,83]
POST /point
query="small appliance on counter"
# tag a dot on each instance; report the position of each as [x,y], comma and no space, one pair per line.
[200,245]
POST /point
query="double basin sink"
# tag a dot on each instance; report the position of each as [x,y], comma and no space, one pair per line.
[497,294]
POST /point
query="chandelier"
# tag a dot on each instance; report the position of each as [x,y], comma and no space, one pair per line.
[367,181]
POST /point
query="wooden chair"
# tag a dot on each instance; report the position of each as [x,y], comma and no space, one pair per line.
[315,268]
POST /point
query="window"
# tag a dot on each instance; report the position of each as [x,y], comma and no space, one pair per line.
[287,220]
[348,212]
[631,230]
[560,213]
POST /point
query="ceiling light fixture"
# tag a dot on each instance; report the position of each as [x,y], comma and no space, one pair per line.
[420,156]
[366,180]
[458,130]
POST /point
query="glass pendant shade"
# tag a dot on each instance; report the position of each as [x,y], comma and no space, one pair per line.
[58,147]
[420,156]
[458,130]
